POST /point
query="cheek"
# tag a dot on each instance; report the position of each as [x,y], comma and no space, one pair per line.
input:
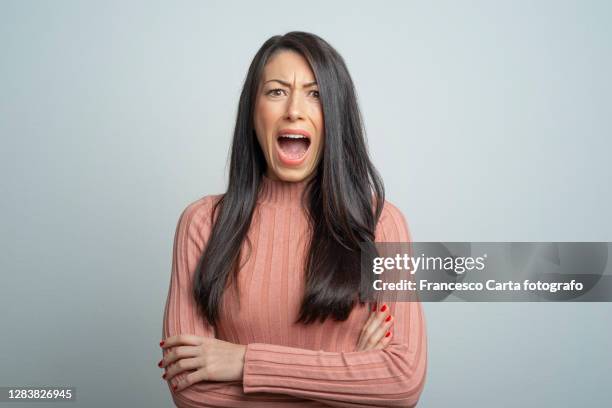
[267,117]
[262,125]
[320,148]
[321,128]
[269,112]
[320,124]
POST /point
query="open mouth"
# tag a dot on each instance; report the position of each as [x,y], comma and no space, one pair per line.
[292,147]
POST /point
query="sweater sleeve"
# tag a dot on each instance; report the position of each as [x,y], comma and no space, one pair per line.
[192,231]
[391,377]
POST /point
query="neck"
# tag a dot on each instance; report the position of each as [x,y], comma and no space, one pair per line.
[281,193]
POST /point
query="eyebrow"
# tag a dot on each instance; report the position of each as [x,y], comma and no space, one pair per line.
[287,84]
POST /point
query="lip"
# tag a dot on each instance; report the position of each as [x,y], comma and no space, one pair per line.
[293,132]
[286,160]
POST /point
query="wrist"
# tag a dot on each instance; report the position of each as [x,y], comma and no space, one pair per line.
[241,359]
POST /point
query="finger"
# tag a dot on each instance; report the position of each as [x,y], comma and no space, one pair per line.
[380,332]
[380,316]
[180,366]
[375,313]
[181,340]
[384,342]
[365,326]
[363,335]
[178,353]
[190,379]
[377,320]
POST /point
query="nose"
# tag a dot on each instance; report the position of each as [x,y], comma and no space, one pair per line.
[295,107]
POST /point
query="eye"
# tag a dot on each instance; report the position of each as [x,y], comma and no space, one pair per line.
[274,92]
[317,94]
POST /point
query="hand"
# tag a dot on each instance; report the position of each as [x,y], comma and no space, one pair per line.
[375,334]
[207,358]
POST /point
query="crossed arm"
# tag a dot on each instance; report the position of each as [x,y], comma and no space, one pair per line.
[384,371]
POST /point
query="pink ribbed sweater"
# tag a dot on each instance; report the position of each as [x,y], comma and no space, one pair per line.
[287,364]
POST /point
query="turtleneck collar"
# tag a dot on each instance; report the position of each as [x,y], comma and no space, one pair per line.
[281,193]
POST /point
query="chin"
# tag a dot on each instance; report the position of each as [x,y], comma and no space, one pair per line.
[292,175]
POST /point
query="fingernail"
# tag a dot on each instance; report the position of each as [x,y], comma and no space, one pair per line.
[161,343]
[174,387]
[382,309]
[164,376]
[374,308]
[388,318]
[160,363]
[388,334]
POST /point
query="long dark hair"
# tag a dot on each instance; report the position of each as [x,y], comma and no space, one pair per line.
[344,197]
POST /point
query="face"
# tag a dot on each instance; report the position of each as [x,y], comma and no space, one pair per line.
[289,118]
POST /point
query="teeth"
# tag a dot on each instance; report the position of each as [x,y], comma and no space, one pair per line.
[294,136]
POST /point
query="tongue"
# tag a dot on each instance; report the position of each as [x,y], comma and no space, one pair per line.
[293,148]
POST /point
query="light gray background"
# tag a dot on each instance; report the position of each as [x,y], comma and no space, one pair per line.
[490,121]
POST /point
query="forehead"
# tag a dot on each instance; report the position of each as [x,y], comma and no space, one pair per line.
[288,65]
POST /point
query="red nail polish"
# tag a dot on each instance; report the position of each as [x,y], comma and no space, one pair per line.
[374,308]
[388,318]
[164,376]
[382,309]
[174,387]
[388,334]
[160,363]
[161,343]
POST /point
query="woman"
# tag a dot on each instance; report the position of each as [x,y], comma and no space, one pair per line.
[262,308]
